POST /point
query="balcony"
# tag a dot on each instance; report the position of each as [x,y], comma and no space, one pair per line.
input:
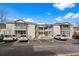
[43,30]
[48,30]
[40,30]
[20,28]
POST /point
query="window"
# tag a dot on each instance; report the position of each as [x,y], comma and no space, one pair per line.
[67,33]
[23,35]
[65,30]
[7,35]
[40,28]
[64,35]
[45,28]
[58,35]
[40,33]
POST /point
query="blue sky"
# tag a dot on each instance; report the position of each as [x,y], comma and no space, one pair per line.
[42,12]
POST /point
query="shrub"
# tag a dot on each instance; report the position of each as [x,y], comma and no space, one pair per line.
[76,35]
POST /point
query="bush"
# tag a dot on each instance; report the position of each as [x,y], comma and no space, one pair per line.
[75,35]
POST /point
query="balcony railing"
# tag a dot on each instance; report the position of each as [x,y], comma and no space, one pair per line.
[48,30]
[20,27]
[43,30]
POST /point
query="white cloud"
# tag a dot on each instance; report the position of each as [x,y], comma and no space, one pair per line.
[74,24]
[11,19]
[62,6]
[58,19]
[28,19]
[76,16]
[15,19]
[69,15]
[49,13]
[41,23]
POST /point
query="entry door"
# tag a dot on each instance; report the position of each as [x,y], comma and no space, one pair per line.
[23,32]
[20,33]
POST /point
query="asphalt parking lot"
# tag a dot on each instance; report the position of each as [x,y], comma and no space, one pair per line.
[37,48]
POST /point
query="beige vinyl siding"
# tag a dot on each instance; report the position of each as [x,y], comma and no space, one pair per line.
[56,29]
[10,29]
[31,31]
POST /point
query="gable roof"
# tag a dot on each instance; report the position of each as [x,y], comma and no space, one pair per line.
[65,23]
[19,21]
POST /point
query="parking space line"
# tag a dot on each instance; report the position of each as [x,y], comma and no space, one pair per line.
[2,42]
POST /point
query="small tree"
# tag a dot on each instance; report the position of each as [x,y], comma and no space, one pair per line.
[3,15]
[76,31]
[75,35]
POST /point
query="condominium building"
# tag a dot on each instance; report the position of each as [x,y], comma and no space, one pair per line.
[20,27]
[37,31]
[2,28]
[63,29]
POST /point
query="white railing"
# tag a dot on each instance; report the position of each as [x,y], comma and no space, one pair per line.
[20,28]
[48,29]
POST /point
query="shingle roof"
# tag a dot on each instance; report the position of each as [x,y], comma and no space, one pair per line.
[22,21]
[19,21]
[65,23]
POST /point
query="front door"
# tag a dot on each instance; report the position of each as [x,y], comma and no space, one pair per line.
[20,32]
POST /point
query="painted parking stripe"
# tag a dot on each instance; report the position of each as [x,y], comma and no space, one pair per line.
[2,42]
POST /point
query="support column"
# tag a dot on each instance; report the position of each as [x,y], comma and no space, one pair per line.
[61,29]
[48,31]
[37,34]
[43,31]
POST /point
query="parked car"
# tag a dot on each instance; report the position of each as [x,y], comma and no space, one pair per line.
[8,38]
[23,38]
[1,38]
[61,37]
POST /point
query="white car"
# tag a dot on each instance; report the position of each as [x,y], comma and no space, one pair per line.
[61,37]
[8,38]
[23,38]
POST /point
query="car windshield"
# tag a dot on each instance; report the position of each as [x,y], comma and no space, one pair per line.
[13,35]
[64,35]
[23,35]
[58,35]
[7,35]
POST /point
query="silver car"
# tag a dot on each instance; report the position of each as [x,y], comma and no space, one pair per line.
[8,38]
[61,37]
[23,38]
